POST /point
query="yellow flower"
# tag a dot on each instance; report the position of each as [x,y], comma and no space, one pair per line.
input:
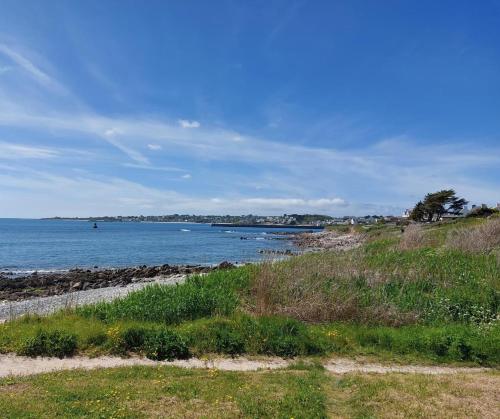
[332,333]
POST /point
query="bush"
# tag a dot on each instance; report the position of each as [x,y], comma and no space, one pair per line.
[165,344]
[229,341]
[281,337]
[224,336]
[55,343]
[134,338]
[286,337]
[482,212]
[452,342]
[96,339]
[277,336]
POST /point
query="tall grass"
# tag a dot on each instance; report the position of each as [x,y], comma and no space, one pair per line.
[199,296]
[380,284]
[413,238]
[481,239]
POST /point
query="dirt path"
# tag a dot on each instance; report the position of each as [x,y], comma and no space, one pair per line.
[16,365]
[344,366]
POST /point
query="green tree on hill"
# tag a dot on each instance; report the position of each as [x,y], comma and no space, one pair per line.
[437,204]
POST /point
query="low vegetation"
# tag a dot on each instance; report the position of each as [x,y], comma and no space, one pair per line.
[431,292]
[54,343]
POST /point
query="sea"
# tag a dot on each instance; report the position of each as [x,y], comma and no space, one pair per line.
[58,245]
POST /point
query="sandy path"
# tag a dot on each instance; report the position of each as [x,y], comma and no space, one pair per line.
[16,365]
[344,366]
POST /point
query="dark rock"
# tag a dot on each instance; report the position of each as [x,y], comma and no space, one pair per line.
[225,265]
[45,284]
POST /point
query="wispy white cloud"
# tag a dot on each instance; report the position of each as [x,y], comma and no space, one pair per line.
[186,176]
[154,147]
[9,151]
[35,72]
[111,136]
[184,123]
[154,168]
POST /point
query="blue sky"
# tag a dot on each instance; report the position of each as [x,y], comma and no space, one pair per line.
[269,107]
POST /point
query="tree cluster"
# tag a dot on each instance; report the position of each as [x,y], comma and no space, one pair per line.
[437,204]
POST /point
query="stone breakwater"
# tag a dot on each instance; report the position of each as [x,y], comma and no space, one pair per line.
[38,285]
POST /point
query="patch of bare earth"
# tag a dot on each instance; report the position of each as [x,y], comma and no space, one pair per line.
[13,388]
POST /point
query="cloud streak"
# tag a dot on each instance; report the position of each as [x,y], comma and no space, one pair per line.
[9,151]
[35,72]
[184,123]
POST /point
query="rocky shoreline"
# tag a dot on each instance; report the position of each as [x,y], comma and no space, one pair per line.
[315,242]
[327,240]
[57,283]
[37,285]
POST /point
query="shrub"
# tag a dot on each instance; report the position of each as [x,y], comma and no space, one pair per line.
[55,343]
[277,336]
[451,342]
[165,344]
[284,337]
[225,336]
[96,339]
[308,288]
[482,212]
[229,341]
[133,338]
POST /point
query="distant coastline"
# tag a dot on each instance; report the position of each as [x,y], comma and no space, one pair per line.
[301,226]
[249,220]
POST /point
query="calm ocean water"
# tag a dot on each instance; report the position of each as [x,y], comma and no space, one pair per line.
[27,245]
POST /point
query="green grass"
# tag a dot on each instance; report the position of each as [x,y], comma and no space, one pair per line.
[301,391]
[200,296]
[154,392]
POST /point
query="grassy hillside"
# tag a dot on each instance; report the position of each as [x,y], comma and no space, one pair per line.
[431,292]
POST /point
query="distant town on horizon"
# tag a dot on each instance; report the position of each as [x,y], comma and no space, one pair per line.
[285,219]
